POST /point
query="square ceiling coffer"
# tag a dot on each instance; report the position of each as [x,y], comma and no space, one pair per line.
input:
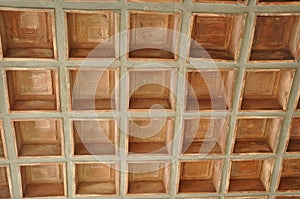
[32,89]
[28,33]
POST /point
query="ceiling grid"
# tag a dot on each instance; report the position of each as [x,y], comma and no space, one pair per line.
[122,8]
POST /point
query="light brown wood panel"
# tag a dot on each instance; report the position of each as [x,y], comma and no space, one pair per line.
[2,142]
[152,89]
[209,89]
[96,179]
[257,197]
[276,37]
[4,185]
[256,86]
[158,1]
[200,198]
[204,135]
[221,1]
[89,30]
[153,35]
[290,167]
[266,89]
[200,176]
[1,149]
[95,137]
[294,136]
[43,180]
[250,175]
[297,105]
[150,136]
[27,34]
[32,89]
[290,175]
[257,135]
[216,36]
[148,177]
[93,89]
[288,197]
[246,169]
[278,2]
[42,137]
[87,0]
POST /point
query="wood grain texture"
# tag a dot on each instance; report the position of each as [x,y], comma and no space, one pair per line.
[150,136]
[91,34]
[158,1]
[152,89]
[209,89]
[200,176]
[153,35]
[250,175]
[32,90]
[246,197]
[276,38]
[38,137]
[297,105]
[216,36]
[204,136]
[87,0]
[290,175]
[27,34]
[257,135]
[94,137]
[266,89]
[220,1]
[42,180]
[93,89]
[96,179]
[4,185]
[2,142]
[148,177]
[294,137]
[278,2]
